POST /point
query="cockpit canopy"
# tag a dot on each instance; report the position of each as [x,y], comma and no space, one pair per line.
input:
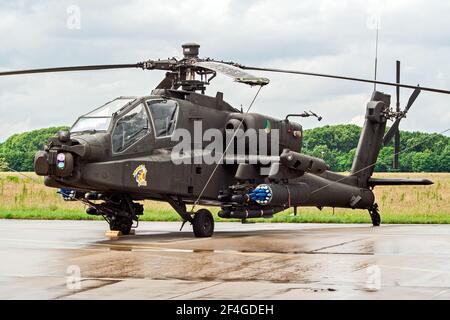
[130,128]
[135,124]
[100,118]
[133,119]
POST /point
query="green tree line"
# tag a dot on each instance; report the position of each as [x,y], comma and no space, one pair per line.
[335,144]
[419,152]
[17,152]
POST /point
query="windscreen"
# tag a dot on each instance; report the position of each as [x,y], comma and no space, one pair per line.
[100,118]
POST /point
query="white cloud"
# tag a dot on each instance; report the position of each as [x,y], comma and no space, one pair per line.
[320,36]
[358,120]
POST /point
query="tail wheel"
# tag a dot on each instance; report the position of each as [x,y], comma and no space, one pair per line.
[203,224]
[375,215]
[122,224]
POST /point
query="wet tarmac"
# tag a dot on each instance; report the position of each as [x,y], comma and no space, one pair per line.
[42,260]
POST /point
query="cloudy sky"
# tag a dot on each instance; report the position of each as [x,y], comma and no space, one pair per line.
[318,36]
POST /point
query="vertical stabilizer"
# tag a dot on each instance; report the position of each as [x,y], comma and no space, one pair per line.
[371,139]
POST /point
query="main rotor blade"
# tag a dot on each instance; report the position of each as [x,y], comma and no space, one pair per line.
[234,72]
[391,132]
[73,68]
[347,78]
[411,99]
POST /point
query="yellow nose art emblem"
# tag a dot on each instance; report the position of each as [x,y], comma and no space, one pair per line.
[140,175]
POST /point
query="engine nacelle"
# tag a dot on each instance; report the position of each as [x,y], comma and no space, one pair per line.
[303,162]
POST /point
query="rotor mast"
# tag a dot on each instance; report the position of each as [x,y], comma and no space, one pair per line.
[187,72]
[183,73]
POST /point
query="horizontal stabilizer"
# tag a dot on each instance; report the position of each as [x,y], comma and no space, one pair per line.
[398,182]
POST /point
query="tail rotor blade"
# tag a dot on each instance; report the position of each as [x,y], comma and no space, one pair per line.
[412,98]
[397,89]
[391,132]
[394,128]
[397,109]
[397,148]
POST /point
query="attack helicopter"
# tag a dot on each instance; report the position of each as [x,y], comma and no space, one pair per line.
[123,152]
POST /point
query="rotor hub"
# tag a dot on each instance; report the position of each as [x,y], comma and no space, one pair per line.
[190,50]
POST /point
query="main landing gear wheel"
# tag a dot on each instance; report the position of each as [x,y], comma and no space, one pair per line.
[203,224]
[375,215]
[122,224]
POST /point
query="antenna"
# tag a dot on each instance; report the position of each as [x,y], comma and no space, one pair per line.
[376,59]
